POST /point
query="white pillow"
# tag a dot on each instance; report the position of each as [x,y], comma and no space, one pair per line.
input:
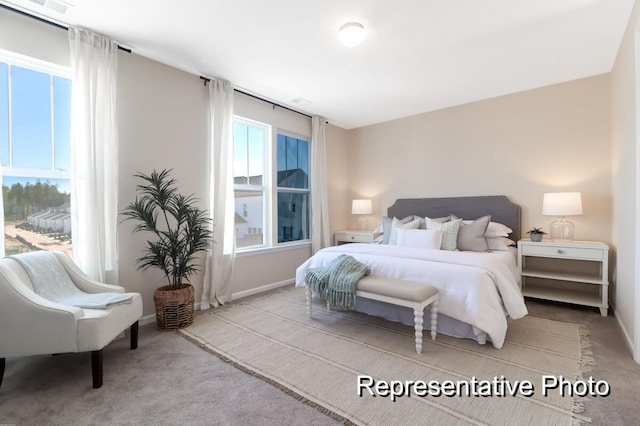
[387,223]
[499,243]
[494,229]
[449,232]
[422,238]
[397,224]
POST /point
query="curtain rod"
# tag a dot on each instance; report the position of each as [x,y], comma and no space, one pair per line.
[46,21]
[274,104]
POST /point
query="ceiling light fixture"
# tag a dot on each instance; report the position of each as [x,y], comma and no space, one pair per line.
[351,34]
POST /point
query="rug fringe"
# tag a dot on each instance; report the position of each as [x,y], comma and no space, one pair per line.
[585,365]
[290,392]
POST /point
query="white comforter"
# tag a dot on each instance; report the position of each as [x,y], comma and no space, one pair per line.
[476,288]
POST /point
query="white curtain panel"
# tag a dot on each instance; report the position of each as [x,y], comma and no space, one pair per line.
[94,154]
[220,260]
[320,236]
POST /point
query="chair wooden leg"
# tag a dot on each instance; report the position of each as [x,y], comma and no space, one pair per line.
[134,335]
[2,361]
[96,368]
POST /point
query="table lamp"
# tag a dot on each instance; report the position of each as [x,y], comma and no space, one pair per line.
[363,208]
[562,204]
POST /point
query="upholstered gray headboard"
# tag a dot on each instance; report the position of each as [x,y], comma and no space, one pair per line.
[498,206]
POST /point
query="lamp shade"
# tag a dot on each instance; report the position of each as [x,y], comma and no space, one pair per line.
[361,207]
[562,204]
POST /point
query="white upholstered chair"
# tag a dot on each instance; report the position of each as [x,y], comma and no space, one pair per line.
[33,325]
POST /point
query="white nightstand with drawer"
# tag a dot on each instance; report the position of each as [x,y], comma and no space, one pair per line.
[351,236]
[572,272]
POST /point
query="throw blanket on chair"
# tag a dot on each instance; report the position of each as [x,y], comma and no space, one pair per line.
[336,282]
[51,281]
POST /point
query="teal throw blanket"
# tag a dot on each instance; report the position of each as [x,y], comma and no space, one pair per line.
[336,282]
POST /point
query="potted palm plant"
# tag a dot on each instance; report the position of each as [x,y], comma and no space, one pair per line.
[179,230]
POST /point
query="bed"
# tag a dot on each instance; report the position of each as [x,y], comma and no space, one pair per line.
[478,289]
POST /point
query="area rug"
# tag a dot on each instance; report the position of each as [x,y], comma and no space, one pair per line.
[364,370]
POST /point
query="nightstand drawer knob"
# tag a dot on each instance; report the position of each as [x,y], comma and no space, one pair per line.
[353,238]
[560,251]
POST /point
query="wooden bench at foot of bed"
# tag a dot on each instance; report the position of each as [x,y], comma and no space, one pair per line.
[399,292]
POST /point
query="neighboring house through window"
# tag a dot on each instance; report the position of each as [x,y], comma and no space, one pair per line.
[267,215]
[293,188]
[250,141]
[35,151]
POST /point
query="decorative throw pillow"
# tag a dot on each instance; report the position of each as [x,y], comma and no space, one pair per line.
[443,219]
[387,222]
[471,235]
[421,238]
[494,229]
[449,232]
[397,224]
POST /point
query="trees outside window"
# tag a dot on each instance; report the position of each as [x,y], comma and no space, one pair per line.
[35,152]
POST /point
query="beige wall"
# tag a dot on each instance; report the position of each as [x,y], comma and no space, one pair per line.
[550,139]
[338,164]
[161,124]
[625,169]
[21,34]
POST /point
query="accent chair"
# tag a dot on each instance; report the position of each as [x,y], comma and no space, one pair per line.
[31,324]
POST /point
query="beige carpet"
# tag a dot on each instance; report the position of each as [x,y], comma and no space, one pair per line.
[319,361]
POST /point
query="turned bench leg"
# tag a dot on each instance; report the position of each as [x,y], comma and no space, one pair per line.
[307,293]
[434,319]
[418,314]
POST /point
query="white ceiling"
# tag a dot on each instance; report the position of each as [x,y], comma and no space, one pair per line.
[419,55]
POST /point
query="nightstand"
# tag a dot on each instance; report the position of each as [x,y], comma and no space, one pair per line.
[351,236]
[572,272]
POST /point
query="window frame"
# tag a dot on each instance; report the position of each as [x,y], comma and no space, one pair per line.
[53,70]
[264,189]
[270,190]
[277,189]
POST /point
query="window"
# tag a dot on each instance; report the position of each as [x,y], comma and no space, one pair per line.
[250,142]
[257,224]
[293,188]
[35,151]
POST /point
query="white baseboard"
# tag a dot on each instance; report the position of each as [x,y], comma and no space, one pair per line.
[627,338]
[261,289]
[148,319]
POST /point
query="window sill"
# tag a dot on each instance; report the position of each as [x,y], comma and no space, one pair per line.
[281,247]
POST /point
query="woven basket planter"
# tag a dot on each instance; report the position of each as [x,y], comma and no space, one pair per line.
[174,308]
